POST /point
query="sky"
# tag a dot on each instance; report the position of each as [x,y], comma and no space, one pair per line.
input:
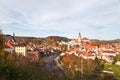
[95,19]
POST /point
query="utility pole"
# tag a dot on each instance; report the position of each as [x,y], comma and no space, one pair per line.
[13,39]
[81,63]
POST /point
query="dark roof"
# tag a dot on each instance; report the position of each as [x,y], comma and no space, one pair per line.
[20,44]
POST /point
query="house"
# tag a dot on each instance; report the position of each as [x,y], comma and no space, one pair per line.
[87,50]
[76,41]
[32,55]
[8,46]
[85,40]
[89,56]
[21,49]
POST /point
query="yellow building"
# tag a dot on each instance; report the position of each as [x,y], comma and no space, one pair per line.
[21,50]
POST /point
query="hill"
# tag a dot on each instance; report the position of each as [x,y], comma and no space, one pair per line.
[38,40]
[54,38]
[58,38]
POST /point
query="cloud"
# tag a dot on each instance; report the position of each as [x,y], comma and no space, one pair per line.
[96,27]
[61,17]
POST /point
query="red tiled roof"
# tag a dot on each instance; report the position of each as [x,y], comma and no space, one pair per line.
[89,54]
[9,44]
[90,47]
[85,38]
[75,40]
[67,51]
[100,55]
[108,51]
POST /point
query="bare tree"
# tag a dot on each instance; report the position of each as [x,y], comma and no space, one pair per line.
[1,40]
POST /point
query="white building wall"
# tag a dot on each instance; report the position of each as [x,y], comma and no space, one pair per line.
[109,54]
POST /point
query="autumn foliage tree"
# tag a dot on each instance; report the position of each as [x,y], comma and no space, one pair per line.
[67,61]
[54,44]
[93,43]
[78,66]
[64,48]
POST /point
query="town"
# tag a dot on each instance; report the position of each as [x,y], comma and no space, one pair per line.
[59,39]
[62,57]
[80,47]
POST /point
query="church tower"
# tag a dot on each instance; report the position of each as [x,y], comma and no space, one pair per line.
[13,34]
[79,38]
[13,38]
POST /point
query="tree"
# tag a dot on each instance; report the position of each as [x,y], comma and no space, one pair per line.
[95,43]
[64,48]
[114,60]
[118,57]
[81,69]
[1,41]
[53,44]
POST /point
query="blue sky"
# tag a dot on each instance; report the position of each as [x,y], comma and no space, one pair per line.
[96,19]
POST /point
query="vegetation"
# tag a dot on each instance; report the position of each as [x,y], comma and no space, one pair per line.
[114,60]
[1,41]
[114,68]
[48,40]
[80,68]
[118,57]
[89,70]
[63,48]
[13,67]
[95,43]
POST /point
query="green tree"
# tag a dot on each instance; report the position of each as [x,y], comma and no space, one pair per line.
[114,60]
[118,57]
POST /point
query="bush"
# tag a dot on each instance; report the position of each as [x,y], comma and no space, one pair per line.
[114,60]
[10,70]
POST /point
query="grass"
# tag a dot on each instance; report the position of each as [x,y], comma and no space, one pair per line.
[114,68]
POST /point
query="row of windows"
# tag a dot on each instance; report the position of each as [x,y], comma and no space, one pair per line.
[20,49]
